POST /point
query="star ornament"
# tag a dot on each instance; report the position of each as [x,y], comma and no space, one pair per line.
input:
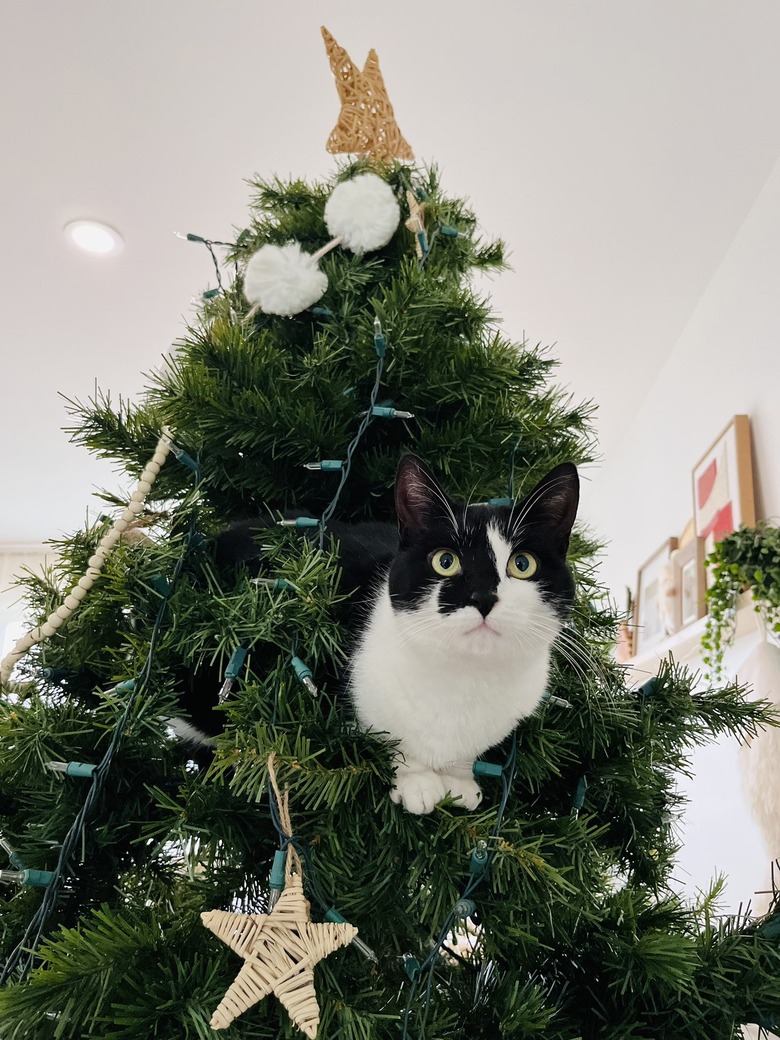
[366,124]
[280,950]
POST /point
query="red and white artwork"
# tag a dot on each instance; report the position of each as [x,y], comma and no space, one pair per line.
[723,484]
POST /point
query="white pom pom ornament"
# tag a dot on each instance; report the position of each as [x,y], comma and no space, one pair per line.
[283,280]
[363,213]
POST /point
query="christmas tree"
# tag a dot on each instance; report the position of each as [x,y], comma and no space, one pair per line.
[546,912]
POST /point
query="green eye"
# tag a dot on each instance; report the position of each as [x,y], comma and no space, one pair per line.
[445,562]
[522,565]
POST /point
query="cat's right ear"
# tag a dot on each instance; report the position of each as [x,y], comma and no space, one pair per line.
[419,501]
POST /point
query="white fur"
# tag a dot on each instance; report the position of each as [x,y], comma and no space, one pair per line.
[184,730]
[363,212]
[283,279]
[447,687]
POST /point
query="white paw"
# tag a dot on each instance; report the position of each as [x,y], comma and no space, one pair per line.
[465,791]
[418,792]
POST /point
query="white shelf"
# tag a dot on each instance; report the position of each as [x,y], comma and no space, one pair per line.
[685,646]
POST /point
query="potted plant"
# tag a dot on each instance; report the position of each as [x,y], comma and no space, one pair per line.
[746,560]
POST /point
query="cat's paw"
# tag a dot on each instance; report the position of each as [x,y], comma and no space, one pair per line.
[418,792]
[464,791]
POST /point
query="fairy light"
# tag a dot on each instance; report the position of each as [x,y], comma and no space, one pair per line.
[335,917]
[27,878]
[276,880]
[480,859]
[13,856]
[235,664]
[325,465]
[300,522]
[133,689]
[578,799]
[288,843]
[304,673]
[275,584]
[383,412]
[82,769]
[209,243]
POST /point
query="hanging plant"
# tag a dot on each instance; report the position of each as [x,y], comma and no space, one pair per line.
[748,559]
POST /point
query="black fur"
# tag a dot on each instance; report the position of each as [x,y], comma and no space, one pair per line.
[427,520]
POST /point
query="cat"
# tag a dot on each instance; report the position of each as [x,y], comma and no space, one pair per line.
[454,613]
[456,650]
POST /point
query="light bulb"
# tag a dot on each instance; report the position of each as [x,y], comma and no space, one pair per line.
[94,237]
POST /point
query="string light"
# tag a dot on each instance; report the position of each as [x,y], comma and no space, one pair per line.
[13,856]
[83,769]
[276,584]
[380,347]
[304,673]
[578,800]
[27,878]
[335,917]
[276,880]
[325,465]
[383,412]
[299,522]
[487,769]
[209,243]
[480,859]
[278,874]
[235,664]
[134,688]
[550,698]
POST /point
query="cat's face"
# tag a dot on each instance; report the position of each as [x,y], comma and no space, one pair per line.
[484,580]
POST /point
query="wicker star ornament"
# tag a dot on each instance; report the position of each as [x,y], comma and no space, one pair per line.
[366,124]
[280,950]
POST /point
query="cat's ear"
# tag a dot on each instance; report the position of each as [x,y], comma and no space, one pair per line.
[554,500]
[419,501]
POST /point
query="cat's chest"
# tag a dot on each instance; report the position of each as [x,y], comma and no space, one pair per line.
[442,708]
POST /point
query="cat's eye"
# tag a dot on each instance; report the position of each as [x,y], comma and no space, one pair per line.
[445,562]
[522,565]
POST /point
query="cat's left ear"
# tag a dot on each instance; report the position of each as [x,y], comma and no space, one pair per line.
[419,501]
[555,498]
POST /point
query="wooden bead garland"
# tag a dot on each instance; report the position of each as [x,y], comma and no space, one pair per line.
[95,563]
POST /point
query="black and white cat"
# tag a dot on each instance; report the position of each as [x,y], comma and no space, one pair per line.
[455,612]
[457,646]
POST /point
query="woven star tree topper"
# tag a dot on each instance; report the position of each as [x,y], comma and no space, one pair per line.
[366,124]
[279,949]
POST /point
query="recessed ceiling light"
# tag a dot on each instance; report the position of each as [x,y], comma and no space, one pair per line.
[94,237]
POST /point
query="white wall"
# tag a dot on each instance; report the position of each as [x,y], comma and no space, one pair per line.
[14,559]
[726,362]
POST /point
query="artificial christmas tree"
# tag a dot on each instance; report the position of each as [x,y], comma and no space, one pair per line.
[546,912]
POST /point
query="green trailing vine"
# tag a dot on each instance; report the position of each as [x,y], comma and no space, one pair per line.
[748,559]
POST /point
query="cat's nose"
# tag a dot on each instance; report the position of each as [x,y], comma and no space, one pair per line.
[484,601]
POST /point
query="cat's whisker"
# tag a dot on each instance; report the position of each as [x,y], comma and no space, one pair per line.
[449,512]
[588,664]
[533,500]
[585,656]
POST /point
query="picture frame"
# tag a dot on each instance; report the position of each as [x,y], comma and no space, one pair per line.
[650,617]
[689,583]
[722,481]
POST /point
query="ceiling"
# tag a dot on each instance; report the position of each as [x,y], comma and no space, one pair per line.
[616,146]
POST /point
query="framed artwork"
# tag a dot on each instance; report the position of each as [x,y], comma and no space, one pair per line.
[649,612]
[723,484]
[689,583]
